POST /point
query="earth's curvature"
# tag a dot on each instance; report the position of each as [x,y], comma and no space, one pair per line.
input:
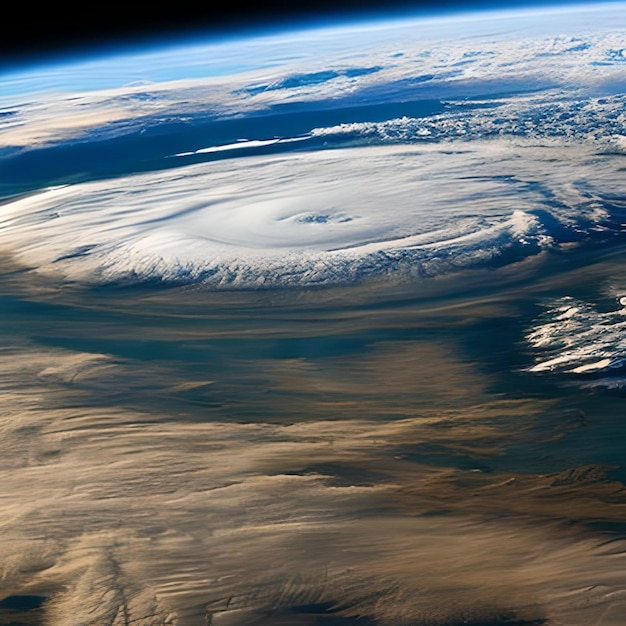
[318,327]
[320,157]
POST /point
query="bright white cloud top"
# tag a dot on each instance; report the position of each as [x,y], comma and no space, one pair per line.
[321,218]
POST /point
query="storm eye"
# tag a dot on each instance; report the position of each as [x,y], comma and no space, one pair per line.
[321,218]
[313,219]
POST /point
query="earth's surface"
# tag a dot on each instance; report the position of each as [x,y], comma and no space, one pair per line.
[318,327]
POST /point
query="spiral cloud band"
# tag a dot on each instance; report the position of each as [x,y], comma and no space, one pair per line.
[317,218]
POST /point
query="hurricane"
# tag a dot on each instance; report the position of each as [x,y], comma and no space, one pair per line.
[319,219]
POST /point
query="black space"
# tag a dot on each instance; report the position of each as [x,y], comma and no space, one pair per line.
[34,32]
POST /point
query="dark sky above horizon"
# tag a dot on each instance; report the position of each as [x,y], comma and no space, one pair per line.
[50,29]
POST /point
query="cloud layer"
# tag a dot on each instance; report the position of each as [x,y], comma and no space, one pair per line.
[319,218]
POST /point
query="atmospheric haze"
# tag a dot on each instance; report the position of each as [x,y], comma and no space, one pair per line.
[318,328]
